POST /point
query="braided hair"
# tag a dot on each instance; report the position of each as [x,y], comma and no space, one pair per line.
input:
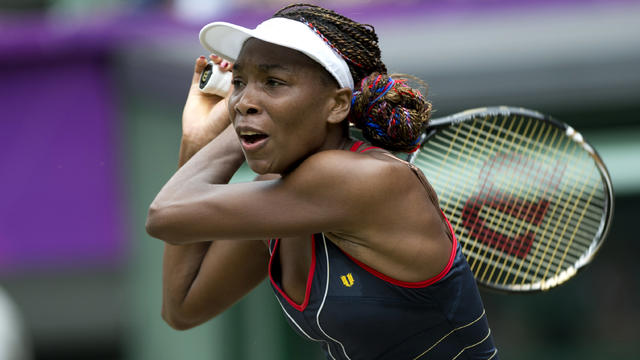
[390,113]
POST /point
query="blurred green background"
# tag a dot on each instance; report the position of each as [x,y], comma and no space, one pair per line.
[576,60]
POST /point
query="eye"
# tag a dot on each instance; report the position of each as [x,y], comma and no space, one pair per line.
[237,82]
[271,82]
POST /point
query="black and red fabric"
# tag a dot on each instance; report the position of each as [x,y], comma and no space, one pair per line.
[357,313]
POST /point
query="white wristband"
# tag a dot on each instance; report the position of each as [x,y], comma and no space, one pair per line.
[214,81]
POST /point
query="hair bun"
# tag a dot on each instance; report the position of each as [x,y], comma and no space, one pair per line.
[389,112]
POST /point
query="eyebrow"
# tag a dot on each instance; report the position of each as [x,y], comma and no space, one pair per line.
[266,67]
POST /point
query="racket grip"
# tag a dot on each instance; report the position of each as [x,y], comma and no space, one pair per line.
[214,81]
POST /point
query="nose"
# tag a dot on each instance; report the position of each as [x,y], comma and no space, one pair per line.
[247,104]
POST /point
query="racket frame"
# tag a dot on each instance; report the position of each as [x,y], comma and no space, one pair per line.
[438,124]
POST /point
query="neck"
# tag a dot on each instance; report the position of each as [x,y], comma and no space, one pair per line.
[337,138]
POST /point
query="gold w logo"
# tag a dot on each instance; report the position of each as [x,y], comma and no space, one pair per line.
[347,280]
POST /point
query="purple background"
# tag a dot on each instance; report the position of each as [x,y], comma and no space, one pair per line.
[60,189]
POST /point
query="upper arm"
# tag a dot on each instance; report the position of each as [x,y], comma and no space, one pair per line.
[325,193]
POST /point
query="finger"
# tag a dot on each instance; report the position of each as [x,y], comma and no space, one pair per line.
[216,59]
[201,62]
[226,66]
[222,63]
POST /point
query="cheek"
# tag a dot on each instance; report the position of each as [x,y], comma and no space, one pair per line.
[232,114]
[231,103]
[302,114]
[311,109]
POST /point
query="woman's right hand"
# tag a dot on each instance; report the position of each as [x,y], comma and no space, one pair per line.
[205,115]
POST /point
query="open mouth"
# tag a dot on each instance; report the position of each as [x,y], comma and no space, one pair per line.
[252,140]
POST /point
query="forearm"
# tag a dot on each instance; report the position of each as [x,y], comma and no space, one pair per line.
[183,263]
[200,285]
[180,267]
[188,148]
[215,163]
[204,121]
[193,141]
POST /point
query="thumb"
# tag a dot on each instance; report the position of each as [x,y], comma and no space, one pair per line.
[201,62]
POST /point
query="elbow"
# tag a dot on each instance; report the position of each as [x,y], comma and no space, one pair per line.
[177,323]
[159,224]
[154,225]
[181,321]
[172,224]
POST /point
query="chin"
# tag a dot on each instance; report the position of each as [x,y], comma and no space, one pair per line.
[280,165]
[260,170]
[261,167]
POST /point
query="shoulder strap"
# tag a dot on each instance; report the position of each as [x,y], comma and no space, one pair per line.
[357,144]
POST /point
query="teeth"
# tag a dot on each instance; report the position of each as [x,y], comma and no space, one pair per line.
[249,133]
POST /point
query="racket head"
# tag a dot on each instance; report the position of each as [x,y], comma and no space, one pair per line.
[529,199]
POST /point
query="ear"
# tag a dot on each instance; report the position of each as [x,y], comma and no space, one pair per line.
[340,105]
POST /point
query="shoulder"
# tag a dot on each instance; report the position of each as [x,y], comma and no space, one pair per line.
[338,162]
[355,174]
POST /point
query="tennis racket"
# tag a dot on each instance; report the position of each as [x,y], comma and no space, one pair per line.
[529,199]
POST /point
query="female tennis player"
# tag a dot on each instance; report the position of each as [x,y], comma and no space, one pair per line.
[353,241]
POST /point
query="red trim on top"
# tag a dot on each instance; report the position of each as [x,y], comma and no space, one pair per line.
[307,291]
[369,148]
[407,284]
[356,145]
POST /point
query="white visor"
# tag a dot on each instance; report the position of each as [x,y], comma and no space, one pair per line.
[226,40]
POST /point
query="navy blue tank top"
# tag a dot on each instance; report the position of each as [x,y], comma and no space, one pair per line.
[358,313]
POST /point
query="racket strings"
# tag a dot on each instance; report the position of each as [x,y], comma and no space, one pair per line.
[558,224]
[453,167]
[477,140]
[590,222]
[494,222]
[543,195]
[512,229]
[461,155]
[456,219]
[546,235]
[473,152]
[534,176]
[476,246]
[589,199]
[530,227]
[571,238]
[501,220]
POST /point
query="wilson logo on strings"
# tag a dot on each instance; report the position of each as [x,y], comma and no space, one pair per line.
[503,214]
[347,280]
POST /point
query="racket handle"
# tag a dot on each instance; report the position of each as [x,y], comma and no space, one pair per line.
[214,81]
